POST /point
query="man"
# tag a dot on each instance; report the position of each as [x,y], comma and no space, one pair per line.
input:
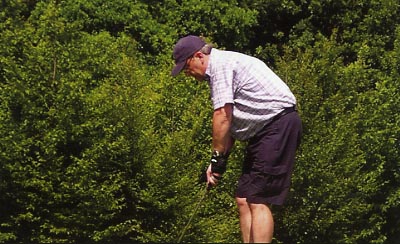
[251,103]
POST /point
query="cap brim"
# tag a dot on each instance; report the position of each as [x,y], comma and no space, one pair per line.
[178,68]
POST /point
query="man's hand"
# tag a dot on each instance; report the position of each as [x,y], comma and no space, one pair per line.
[212,178]
[218,162]
[217,168]
[209,177]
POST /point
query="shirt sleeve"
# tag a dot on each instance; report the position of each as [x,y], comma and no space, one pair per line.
[221,85]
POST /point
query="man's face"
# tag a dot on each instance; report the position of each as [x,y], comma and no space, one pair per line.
[195,66]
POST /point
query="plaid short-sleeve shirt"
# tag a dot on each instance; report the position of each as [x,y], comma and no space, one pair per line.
[256,92]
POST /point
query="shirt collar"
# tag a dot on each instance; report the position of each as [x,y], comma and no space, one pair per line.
[207,75]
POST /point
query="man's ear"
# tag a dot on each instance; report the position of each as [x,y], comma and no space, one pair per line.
[198,54]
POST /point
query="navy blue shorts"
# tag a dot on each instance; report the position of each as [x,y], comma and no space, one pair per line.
[269,160]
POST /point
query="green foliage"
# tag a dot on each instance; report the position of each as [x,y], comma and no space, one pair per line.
[98,143]
[346,165]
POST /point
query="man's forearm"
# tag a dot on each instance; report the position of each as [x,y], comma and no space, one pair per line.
[222,118]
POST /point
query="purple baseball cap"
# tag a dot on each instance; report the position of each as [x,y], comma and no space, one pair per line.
[184,48]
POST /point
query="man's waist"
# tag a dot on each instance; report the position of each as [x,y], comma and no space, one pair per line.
[253,127]
[284,112]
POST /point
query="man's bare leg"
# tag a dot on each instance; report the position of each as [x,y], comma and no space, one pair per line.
[245,219]
[262,225]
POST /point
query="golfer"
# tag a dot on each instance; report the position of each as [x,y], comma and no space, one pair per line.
[251,103]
